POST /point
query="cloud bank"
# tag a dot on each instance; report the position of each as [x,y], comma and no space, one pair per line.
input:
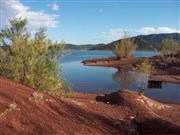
[36,19]
[115,34]
[152,30]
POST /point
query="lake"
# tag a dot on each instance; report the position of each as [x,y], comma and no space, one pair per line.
[88,79]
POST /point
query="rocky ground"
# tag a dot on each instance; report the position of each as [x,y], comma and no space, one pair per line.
[120,113]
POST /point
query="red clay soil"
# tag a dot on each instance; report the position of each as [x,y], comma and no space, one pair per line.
[112,62]
[121,113]
[167,72]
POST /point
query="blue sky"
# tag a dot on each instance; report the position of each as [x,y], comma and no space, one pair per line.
[95,21]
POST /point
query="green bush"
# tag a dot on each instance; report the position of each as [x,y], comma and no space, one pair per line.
[33,61]
[125,48]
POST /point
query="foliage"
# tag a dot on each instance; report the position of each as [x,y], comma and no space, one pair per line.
[168,46]
[170,49]
[16,30]
[32,61]
[145,67]
[125,48]
[144,70]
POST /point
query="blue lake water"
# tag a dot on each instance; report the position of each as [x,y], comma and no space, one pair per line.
[88,79]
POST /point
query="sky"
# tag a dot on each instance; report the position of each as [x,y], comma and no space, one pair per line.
[94,21]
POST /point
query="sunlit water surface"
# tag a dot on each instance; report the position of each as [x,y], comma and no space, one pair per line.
[89,79]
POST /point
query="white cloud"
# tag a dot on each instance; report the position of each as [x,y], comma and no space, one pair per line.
[53,6]
[14,8]
[152,30]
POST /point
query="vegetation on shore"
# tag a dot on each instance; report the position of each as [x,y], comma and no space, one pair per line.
[125,48]
[31,60]
[144,69]
[170,49]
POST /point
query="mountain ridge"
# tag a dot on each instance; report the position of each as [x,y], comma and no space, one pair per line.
[143,42]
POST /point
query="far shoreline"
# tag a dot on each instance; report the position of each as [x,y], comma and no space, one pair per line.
[165,72]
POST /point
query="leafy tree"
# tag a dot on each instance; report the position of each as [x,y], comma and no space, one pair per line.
[32,61]
[125,48]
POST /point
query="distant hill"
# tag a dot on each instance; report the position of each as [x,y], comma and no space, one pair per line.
[82,47]
[78,47]
[143,42]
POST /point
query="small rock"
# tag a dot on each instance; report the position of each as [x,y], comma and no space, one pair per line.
[92,102]
[130,117]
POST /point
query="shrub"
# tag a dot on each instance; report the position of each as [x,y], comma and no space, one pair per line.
[125,48]
[31,61]
[168,46]
[169,49]
[144,70]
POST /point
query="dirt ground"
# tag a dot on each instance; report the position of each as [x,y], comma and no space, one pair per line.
[164,71]
[120,113]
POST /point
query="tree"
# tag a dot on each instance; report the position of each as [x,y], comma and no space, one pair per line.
[125,48]
[32,61]
[16,30]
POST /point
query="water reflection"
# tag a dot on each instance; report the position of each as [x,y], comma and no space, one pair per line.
[123,77]
[107,80]
[129,79]
[160,91]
